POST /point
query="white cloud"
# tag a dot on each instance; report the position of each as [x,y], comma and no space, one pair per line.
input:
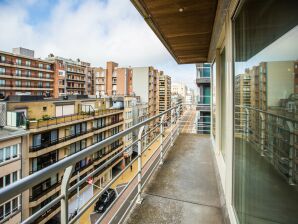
[92,30]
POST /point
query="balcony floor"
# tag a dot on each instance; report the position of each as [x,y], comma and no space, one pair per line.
[184,190]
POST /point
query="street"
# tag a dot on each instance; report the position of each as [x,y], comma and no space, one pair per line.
[91,217]
[188,124]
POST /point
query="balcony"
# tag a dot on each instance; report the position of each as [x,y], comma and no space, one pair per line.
[75,118]
[178,196]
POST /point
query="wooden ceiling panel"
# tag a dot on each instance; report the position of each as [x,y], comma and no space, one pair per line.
[184,26]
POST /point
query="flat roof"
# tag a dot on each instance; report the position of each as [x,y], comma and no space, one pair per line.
[8,133]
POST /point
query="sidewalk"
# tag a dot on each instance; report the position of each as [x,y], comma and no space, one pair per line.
[128,174]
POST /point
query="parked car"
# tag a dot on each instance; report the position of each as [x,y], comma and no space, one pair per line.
[105,200]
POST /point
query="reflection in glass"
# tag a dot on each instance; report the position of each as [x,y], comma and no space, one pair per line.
[266,112]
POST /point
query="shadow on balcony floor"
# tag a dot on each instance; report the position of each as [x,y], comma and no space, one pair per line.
[184,190]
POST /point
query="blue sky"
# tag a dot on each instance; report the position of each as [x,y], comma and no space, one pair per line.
[92,30]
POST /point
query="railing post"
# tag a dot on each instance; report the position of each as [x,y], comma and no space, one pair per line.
[64,192]
[262,134]
[161,139]
[139,199]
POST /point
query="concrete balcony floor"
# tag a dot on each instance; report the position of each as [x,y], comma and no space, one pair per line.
[184,189]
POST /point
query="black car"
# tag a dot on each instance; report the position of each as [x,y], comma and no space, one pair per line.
[105,200]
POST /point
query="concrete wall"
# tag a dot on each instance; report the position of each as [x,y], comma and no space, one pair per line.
[280,76]
[140,82]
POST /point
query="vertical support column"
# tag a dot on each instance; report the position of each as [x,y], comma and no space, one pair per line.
[161,139]
[64,192]
[139,199]
[262,134]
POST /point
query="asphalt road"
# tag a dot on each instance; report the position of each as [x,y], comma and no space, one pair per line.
[188,124]
[129,193]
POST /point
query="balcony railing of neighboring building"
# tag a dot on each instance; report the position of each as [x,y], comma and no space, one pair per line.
[203,74]
[164,139]
[274,136]
[27,65]
[203,103]
[46,122]
[28,76]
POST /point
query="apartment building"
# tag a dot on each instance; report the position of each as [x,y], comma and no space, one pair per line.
[12,143]
[145,85]
[242,97]
[164,91]
[22,74]
[180,89]
[72,77]
[113,80]
[99,76]
[204,99]
[59,128]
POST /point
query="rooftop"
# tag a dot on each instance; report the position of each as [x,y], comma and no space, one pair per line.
[8,133]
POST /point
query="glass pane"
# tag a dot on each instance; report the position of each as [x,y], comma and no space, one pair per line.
[1,155]
[7,153]
[265,121]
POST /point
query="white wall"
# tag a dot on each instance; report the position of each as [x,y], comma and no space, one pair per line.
[140,83]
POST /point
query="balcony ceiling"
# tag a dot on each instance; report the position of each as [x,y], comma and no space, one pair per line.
[183,26]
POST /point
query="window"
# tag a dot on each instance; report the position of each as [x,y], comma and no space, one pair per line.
[18,61]
[48,76]
[18,72]
[2,70]
[9,153]
[28,73]
[2,82]
[47,84]
[39,74]
[28,63]
[28,83]
[48,67]
[265,165]
[2,58]
[18,83]
[39,84]
[44,108]
[40,65]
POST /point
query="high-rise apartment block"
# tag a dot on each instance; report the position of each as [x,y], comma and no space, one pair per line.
[22,74]
[145,85]
[164,89]
[113,80]
[180,89]
[204,99]
[71,77]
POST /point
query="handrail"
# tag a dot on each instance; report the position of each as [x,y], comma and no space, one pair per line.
[21,185]
[266,112]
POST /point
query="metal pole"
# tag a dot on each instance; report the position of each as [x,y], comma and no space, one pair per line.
[64,192]
[139,199]
[78,192]
[161,139]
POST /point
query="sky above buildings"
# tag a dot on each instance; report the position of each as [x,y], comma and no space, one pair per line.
[92,30]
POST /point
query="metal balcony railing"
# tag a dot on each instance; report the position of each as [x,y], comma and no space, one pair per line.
[32,124]
[274,136]
[156,135]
